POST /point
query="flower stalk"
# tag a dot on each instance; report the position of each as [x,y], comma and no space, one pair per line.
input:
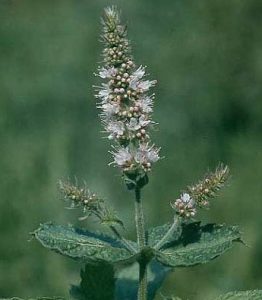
[174,227]
[141,241]
[126,114]
[140,222]
[142,288]
[124,242]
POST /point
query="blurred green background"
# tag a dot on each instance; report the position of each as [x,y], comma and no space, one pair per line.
[207,58]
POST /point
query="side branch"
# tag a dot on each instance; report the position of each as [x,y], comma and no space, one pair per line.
[124,242]
[171,230]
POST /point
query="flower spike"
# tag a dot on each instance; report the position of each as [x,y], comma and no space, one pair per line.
[92,205]
[124,102]
[198,195]
[209,186]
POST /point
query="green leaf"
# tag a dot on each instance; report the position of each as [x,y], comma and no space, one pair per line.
[82,245]
[127,280]
[246,295]
[97,282]
[156,233]
[198,244]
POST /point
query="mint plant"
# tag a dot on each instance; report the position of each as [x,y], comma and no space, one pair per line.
[115,267]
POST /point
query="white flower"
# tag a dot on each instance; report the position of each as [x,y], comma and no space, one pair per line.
[122,157]
[133,124]
[143,122]
[146,154]
[138,74]
[185,206]
[186,199]
[137,83]
[107,73]
[109,109]
[137,123]
[146,104]
[104,92]
[146,85]
[153,155]
[143,85]
[115,128]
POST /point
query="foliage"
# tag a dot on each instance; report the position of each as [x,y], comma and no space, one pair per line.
[198,245]
[242,295]
[81,244]
[97,282]
[195,244]
[246,295]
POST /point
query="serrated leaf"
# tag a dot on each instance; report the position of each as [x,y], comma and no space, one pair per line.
[97,282]
[243,295]
[127,280]
[198,244]
[156,233]
[82,244]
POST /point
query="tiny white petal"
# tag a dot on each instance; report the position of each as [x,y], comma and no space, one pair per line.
[122,157]
[146,104]
[146,85]
[153,155]
[109,109]
[139,73]
[143,85]
[143,121]
[146,154]
[186,199]
[107,73]
[115,128]
[133,124]
[104,92]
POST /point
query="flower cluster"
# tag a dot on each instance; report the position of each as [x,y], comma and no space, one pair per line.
[125,104]
[91,204]
[198,195]
[185,206]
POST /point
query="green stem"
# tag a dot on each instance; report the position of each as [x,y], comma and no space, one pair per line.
[142,288]
[140,222]
[124,242]
[170,231]
[141,241]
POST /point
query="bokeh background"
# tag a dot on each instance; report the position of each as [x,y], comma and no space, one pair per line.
[207,58]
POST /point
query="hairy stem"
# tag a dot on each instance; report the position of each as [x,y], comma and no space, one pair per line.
[140,223]
[141,241]
[170,231]
[124,242]
[142,288]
